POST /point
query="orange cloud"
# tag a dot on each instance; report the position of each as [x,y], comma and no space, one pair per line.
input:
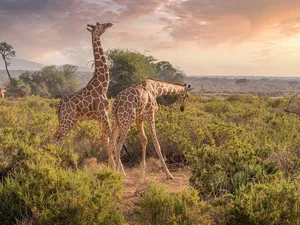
[218,21]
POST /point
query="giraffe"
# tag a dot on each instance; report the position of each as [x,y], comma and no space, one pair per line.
[2,92]
[138,104]
[89,103]
[18,92]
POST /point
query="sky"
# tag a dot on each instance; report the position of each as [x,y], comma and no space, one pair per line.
[200,37]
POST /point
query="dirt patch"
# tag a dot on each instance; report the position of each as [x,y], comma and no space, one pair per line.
[136,185]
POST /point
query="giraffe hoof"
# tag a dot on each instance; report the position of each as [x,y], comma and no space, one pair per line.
[170,177]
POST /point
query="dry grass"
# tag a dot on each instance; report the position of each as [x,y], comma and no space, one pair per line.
[92,165]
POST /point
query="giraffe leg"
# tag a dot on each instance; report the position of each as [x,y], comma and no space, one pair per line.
[120,141]
[113,139]
[151,124]
[144,144]
[106,133]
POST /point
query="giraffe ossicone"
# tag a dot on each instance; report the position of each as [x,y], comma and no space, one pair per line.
[138,104]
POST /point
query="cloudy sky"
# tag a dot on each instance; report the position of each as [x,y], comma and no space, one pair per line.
[201,37]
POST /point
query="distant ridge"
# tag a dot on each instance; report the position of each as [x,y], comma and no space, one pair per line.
[22,64]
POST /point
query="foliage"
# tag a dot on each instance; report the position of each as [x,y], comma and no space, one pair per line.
[128,68]
[16,83]
[165,71]
[275,202]
[51,81]
[242,82]
[52,195]
[159,207]
[243,153]
[42,183]
[7,52]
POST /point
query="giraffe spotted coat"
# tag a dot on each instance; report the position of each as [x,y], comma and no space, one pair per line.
[138,104]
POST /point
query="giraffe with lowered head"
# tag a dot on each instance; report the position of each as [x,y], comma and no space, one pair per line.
[89,103]
[17,92]
[138,104]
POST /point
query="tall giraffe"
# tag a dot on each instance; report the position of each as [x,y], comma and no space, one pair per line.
[138,104]
[89,103]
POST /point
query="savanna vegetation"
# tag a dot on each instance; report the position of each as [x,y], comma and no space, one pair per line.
[243,153]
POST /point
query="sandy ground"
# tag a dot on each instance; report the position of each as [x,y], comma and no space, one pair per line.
[135,185]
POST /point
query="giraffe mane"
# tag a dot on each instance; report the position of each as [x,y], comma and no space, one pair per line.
[167,82]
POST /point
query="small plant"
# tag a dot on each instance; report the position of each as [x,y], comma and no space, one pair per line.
[159,207]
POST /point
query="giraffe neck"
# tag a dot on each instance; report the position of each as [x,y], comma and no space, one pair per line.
[101,68]
[158,88]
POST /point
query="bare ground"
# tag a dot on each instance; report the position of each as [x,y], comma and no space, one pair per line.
[135,185]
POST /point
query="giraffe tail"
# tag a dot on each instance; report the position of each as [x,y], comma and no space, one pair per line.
[59,107]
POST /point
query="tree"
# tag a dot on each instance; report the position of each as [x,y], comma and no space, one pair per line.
[165,71]
[128,68]
[242,82]
[51,81]
[293,84]
[6,51]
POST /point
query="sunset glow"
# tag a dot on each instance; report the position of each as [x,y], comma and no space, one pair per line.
[216,37]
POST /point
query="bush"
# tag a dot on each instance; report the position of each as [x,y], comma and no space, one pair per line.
[275,202]
[51,195]
[40,182]
[159,207]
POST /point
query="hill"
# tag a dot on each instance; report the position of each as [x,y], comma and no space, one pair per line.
[22,64]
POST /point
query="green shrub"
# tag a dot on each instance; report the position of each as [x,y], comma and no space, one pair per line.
[159,207]
[51,195]
[275,202]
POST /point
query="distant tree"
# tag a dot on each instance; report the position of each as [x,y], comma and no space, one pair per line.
[128,68]
[165,71]
[293,84]
[242,82]
[271,86]
[6,51]
[51,81]
[16,83]
[69,71]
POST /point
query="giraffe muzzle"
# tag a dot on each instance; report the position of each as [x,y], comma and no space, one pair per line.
[109,25]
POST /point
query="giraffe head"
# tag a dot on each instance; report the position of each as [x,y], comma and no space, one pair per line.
[98,29]
[183,95]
